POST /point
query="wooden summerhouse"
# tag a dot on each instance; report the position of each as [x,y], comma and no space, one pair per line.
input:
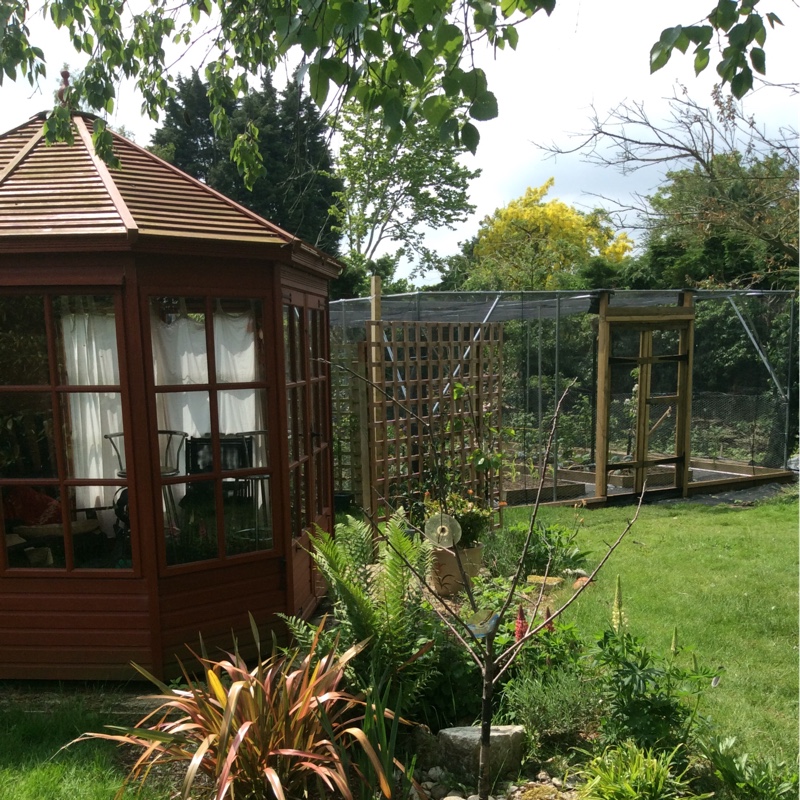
[164,412]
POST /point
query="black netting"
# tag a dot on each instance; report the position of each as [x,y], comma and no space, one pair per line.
[744,381]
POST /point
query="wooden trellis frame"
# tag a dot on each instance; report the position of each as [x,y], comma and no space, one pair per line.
[414,368]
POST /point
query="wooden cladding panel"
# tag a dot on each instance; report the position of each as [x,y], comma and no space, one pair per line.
[216,603]
[54,629]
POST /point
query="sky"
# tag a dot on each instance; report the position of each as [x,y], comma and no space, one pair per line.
[588,53]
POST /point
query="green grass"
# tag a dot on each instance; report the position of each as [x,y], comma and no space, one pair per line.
[36,721]
[728,578]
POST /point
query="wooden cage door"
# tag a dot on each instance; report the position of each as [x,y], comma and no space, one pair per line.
[644,391]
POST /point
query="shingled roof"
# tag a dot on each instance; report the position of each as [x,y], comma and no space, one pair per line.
[66,191]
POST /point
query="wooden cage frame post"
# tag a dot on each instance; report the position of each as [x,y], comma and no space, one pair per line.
[603,399]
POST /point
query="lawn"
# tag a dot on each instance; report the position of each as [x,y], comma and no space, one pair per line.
[727,576]
[36,720]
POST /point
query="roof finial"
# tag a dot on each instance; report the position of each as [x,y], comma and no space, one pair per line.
[62,91]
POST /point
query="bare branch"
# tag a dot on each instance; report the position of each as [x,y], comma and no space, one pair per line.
[507,658]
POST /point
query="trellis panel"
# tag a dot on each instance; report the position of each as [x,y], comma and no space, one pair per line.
[418,420]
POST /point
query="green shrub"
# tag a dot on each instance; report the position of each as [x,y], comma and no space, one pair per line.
[652,701]
[453,694]
[381,728]
[377,597]
[746,779]
[628,772]
[280,730]
[556,708]
[557,543]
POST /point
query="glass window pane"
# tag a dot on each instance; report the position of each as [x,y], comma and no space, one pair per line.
[305,505]
[23,341]
[100,539]
[87,332]
[26,435]
[294,501]
[297,345]
[288,339]
[299,433]
[91,420]
[178,335]
[319,483]
[33,526]
[187,412]
[248,515]
[242,412]
[236,349]
[291,413]
[190,522]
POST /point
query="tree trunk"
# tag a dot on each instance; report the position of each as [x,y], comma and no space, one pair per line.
[484,782]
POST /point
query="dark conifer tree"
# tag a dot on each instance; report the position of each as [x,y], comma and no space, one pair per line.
[298,187]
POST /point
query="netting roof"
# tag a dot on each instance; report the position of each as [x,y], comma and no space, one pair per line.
[472,307]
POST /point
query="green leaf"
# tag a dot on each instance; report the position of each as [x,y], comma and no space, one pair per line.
[659,55]
[724,15]
[411,71]
[449,39]
[451,82]
[318,83]
[473,83]
[759,31]
[701,60]
[393,111]
[669,36]
[774,19]
[308,38]
[683,42]
[742,83]
[700,35]
[512,36]
[739,36]
[470,137]
[336,70]
[758,59]
[436,109]
[353,14]
[373,41]
[508,7]
[448,130]
[726,68]
[484,107]
[424,11]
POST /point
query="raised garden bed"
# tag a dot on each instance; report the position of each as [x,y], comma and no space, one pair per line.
[566,490]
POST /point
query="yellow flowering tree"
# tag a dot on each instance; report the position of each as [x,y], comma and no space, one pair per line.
[533,243]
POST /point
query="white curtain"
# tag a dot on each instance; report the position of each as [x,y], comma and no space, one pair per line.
[90,359]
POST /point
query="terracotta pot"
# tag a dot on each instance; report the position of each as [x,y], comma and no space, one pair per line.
[446,577]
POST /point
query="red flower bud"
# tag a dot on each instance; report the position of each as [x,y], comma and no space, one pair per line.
[521,626]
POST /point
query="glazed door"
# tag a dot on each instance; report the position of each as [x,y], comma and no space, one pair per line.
[308,422]
[644,398]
